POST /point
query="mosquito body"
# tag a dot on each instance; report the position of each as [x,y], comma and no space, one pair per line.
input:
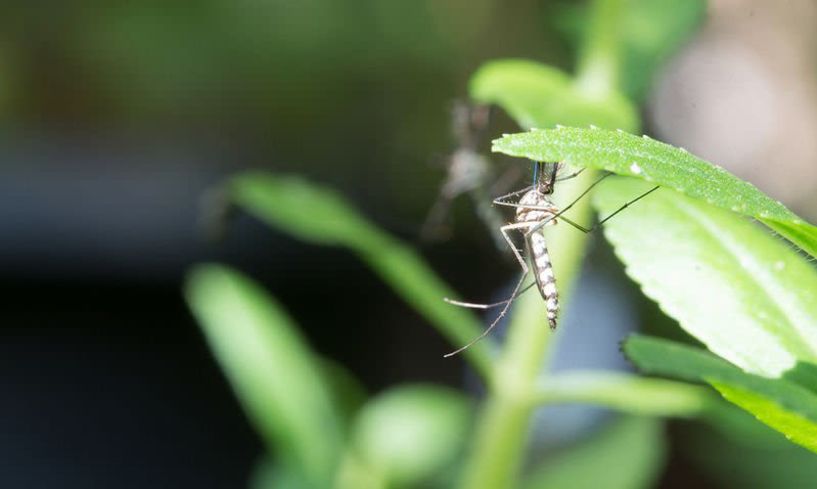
[534,211]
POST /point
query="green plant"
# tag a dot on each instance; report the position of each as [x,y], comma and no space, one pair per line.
[748,297]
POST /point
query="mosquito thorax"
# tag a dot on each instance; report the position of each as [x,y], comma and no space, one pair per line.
[536,207]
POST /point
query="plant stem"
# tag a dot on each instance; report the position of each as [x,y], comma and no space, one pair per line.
[503,427]
[627,393]
[598,66]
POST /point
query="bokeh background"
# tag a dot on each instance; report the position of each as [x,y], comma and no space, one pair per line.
[119,119]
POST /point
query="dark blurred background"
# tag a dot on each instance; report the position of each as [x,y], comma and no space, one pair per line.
[118,120]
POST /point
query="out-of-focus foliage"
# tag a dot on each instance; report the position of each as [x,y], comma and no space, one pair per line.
[322,216]
[537,95]
[744,453]
[271,369]
[305,407]
[388,431]
[414,436]
[651,31]
[783,403]
[627,393]
[654,30]
[627,454]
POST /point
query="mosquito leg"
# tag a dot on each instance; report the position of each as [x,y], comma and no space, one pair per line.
[516,253]
[505,229]
[526,206]
[496,320]
[593,227]
[575,225]
[586,191]
[501,199]
[572,175]
[474,305]
[626,205]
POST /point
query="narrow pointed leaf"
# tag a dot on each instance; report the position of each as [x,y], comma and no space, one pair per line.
[661,164]
[319,215]
[271,369]
[782,404]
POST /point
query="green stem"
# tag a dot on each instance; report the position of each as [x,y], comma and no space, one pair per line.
[502,434]
[501,438]
[627,393]
[598,67]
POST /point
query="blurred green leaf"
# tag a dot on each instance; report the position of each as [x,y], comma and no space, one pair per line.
[410,434]
[782,404]
[537,95]
[626,393]
[652,31]
[270,474]
[348,394]
[662,164]
[271,369]
[627,454]
[754,457]
[319,215]
[744,294]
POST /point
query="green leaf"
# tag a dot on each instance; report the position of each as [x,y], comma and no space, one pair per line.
[271,369]
[751,457]
[271,474]
[628,454]
[348,394]
[781,404]
[744,294]
[537,95]
[409,434]
[661,164]
[653,30]
[319,215]
[626,393]
[650,31]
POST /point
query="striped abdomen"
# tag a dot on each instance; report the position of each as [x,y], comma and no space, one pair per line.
[540,210]
[543,271]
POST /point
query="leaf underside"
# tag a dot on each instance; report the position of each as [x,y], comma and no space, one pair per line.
[743,293]
[660,164]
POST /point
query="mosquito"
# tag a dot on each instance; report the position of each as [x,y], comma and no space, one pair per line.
[534,211]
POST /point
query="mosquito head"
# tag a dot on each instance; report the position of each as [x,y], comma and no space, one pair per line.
[544,176]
